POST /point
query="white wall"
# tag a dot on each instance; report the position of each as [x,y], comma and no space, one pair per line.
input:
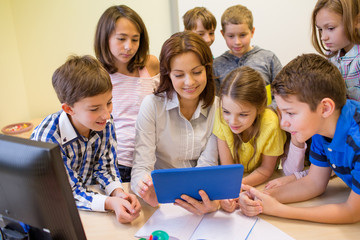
[38,35]
[281,26]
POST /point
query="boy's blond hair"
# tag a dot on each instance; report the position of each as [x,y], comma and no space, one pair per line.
[237,14]
[311,78]
[206,17]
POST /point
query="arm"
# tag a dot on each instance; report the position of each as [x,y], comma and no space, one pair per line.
[224,152]
[347,212]
[152,65]
[263,172]
[209,157]
[144,154]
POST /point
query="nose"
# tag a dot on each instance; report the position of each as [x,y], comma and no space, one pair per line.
[324,36]
[189,80]
[128,45]
[233,120]
[206,38]
[107,112]
[284,123]
[237,40]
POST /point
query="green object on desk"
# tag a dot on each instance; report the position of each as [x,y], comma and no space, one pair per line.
[161,235]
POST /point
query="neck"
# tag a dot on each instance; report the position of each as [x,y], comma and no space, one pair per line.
[122,68]
[329,125]
[188,107]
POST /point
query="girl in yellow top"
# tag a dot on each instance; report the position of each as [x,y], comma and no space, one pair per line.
[247,131]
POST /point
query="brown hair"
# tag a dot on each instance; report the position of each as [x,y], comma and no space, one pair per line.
[244,84]
[179,43]
[106,26]
[206,17]
[310,78]
[80,77]
[349,10]
[237,14]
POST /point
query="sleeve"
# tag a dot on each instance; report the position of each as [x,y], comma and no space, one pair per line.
[145,142]
[275,67]
[105,170]
[218,125]
[294,161]
[273,137]
[209,157]
[317,154]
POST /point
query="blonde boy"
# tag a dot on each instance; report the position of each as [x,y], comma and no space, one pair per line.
[311,96]
[238,30]
[84,130]
[202,22]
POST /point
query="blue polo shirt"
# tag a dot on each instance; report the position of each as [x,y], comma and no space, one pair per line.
[342,153]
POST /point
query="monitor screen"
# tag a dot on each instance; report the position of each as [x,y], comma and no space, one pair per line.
[34,188]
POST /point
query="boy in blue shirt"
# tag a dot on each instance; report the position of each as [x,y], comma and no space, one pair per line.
[84,130]
[238,30]
[311,96]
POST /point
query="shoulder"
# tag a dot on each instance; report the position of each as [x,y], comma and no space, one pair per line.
[152,65]
[47,128]
[269,119]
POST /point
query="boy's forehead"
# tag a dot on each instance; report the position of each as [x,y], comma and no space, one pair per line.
[288,101]
[236,26]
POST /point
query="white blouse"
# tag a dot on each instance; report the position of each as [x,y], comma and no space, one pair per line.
[166,139]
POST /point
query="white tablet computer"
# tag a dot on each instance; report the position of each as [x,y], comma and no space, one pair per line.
[219,182]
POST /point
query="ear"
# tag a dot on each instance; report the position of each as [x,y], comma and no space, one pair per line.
[327,107]
[357,22]
[252,32]
[67,108]
[222,32]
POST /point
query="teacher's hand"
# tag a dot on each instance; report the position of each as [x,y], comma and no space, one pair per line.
[198,207]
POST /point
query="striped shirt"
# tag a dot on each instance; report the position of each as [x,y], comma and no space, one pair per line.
[128,93]
[349,66]
[87,160]
[342,153]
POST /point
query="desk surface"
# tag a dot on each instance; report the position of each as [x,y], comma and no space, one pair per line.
[104,225]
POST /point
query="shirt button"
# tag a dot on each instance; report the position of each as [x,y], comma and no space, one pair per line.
[329,149]
[333,165]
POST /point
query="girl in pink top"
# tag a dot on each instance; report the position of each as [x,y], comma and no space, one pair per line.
[122,46]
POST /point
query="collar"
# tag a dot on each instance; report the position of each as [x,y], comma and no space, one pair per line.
[67,130]
[350,55]
[174,103]
[342,126]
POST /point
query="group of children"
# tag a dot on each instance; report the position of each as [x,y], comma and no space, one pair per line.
[127,113]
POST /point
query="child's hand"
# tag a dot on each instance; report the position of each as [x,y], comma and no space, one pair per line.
[280,181]
[123,209]
[147,192]
[135,204]
[249,205]
[229,205]
[198,207]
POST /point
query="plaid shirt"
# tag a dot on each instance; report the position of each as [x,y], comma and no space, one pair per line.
[349,66]
[87,160]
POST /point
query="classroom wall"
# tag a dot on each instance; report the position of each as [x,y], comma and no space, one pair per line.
[38,35]
[281,26]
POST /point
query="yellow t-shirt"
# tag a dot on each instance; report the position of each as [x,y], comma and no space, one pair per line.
[270,141]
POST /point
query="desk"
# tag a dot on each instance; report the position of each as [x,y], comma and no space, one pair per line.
[104,225]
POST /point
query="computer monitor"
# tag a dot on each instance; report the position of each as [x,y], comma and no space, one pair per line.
[35,190]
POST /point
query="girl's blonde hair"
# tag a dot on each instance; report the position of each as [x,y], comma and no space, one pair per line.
[349,10]
[245,85]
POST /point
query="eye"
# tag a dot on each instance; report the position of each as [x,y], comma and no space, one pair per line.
[243,35]
[135,40]
[121,39]
[226,112]
[198,72]
[331,28]
[93,109]
[178,75]
[244,114]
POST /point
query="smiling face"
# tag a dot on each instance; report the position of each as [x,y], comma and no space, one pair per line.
[206,34]
[188,76]
[331,30]
[297,118]
[90,113]
[124,41]
[240,116]
[238,38]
